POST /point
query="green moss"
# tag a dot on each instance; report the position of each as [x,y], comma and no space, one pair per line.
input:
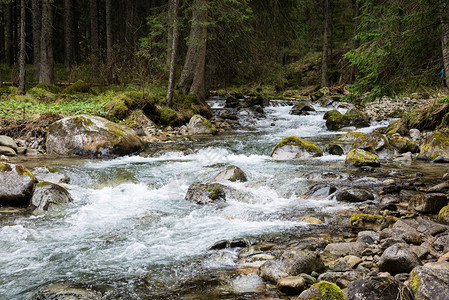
[394,127]
[5,168]
[213,193]
[21,170]
[48,87]
[168,116]
[116,108]
[372,142]
[209,125]
[370,218]
[52,170]
[330,291]
[42,95]
[436,145]
[77,87]
[43,183]
[415,281]
[359,157]
[350,136]
[296,141]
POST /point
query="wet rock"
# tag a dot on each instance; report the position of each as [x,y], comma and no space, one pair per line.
[439,188]
[361,158]
[350,136]
[372,142]
[369,237]
[335,150]
[291,263]
[291,285]
[404,158]
[354,195]
[336,120]
[427,226]
[368,222]
[398,259]
[442,243]
[322,290]
[336,250]
[430,282]
[47,194]
[232,173]
[403,144]
[320,192]
[237,243]
[206,193]
[65,291]
[410,237]
[16,185]
[7,151]
[8,142]
[301,109]
[200,125]
[415,134]
[428,203]
[92,136]
[443,215]
[435,145]
[294,148]
[384,288]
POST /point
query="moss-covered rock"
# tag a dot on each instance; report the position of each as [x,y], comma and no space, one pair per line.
[443,215]
[200,125]
[77,87]
[117,109]
[323,291]
[368,222]
[403,144]
[429,283]
[301,109]
[394,127]
[48,194]
[435,145]
[16,185]
[206,193]
[91,136]
[336,120]
[372,142]
[373,288]
[54,89]
[359,158]
[295,148]
[42,94]
[349,137]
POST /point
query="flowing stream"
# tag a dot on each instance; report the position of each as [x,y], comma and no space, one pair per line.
[130,234]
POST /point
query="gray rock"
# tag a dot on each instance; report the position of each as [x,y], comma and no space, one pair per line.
[430,282]
[369,237]
[354,195]
[47,194]
[429,203]
[65,291]
[6,141]
[200,125]
[415,134]
[323,290]
[301,109]
[232,173]
[294,148]
[398,259]
[291,263]
[336,250]
[291,285]
[206,193]
[408,236]
[21,150]
[92,136]
[16,185]
[7,151]
[442,243]
[373,288]
[320,191]
[335,150]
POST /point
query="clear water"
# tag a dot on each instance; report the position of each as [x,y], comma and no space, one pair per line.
[130,232]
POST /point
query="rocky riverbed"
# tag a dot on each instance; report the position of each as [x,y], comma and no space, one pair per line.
[290,206]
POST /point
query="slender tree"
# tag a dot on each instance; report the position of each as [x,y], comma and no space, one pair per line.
[9,32]
[22,47]
[192,76]
[325,55]
[445,38]
[68,33]
[94,38]
[46,49]
[355,42]
[109,41]
[36,15]
[174,48]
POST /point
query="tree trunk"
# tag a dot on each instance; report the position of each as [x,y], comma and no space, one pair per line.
[192,76]
[9,33]
[109,41]
[355,42]
[325,57]
[22,48]
[36,12]
[94,43]
[445,40]
[2,36]
[68,33]
[174,48]
[46,49]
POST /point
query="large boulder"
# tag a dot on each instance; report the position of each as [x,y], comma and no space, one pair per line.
[372,142]
[443,215]
[360,158]
[320,192]
[232,173]
[200,125]
[349,137]
[372,288]
[6,141]
[91,136]
[295,148]
[206,193]
[7,151]
[398,259]
[428,203]
[435,145]
[301,109]
[323,291]
[47,194]
[291,263]
[335,120]
[403,144]
[430,282]
[16,185]
[354,195]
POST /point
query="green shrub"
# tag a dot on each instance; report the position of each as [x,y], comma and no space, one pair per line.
[78,87]
[116,108]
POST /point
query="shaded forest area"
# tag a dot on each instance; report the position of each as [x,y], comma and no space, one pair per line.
[383,47]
